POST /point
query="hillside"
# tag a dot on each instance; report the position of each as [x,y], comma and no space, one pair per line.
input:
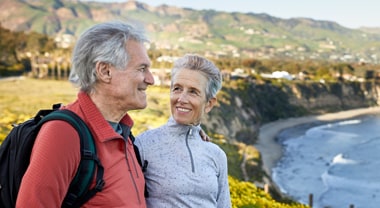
[208,32]
[27,96]
[244,106]
[234,124]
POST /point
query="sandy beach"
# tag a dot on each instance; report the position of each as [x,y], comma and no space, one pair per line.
[271,151]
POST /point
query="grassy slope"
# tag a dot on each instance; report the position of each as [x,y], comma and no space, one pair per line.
[20,99]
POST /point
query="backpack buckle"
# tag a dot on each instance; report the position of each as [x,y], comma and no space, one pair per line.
[99,185]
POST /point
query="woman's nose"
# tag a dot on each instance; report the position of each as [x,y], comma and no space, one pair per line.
[182,97]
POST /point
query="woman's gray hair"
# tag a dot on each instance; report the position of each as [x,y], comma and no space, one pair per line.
[104,42]
[201,64]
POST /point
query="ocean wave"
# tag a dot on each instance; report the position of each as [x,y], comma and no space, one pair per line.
[339,159]
[336,162]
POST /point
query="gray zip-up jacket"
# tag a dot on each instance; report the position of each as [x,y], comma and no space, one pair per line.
[183,170]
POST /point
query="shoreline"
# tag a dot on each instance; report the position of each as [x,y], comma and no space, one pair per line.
[271,151]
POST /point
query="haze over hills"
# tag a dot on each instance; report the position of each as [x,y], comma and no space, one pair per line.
[207,32]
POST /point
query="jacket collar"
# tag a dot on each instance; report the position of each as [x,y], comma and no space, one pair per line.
[183,129]
[98,124]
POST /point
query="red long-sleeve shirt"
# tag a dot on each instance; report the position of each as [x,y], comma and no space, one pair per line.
[56,156]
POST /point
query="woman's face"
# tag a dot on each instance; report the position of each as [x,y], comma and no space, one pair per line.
[188,97]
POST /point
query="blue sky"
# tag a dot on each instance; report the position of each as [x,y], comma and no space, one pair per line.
[348,13]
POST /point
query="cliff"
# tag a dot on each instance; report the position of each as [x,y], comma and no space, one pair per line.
[244,107]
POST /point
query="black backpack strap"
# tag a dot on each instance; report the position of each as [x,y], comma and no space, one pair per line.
[143,164]
[79,192]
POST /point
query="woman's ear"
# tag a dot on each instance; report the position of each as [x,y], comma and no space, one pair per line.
[103,71]
[210,104]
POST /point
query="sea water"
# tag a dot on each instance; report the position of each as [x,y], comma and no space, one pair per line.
[338,163]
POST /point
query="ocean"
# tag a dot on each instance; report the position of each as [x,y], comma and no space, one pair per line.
[338,163]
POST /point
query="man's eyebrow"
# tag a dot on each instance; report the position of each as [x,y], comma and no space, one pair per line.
[145,65]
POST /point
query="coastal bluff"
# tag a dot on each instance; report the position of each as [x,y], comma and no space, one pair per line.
[244,109]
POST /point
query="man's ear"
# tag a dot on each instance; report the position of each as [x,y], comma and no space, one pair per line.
[103,71]
[210,104]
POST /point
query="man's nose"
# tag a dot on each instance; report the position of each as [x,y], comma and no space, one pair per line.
[149,79]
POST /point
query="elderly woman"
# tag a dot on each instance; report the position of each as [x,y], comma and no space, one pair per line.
[183,170]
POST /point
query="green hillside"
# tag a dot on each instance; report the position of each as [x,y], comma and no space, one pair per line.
[204,31]
[21,98]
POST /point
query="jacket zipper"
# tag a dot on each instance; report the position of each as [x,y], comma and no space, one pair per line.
[189,132]
[130,171]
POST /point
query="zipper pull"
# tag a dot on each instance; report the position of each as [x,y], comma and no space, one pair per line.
[145,165]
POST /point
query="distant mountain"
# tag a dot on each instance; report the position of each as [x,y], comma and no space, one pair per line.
[205,31]
[375,30]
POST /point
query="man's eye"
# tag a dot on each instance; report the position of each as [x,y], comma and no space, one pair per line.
[143,68]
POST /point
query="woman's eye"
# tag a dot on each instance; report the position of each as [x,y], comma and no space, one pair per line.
[175,89]
[194,92]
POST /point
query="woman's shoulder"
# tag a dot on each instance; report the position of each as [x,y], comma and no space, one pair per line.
[214,148]
[151,134]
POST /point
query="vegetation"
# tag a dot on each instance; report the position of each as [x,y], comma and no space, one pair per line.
[20,51]
[21,98]
[38,55]
[204,31]
[247,195]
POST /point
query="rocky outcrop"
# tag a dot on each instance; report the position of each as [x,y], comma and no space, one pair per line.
[244,107]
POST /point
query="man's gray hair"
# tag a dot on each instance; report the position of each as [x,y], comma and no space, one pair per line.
[104,42]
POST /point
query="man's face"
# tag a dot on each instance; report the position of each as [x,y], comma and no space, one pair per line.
[129,85]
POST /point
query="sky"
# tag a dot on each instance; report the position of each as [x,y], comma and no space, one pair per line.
[348,13]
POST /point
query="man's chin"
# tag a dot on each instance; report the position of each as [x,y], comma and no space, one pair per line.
[140,107]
